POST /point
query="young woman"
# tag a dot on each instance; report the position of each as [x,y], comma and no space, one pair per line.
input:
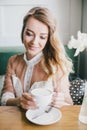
[44,64]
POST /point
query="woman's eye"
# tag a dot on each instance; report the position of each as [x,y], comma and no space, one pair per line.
[43,38]
[29,34]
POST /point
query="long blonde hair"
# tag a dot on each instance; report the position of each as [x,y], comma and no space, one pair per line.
[54,52]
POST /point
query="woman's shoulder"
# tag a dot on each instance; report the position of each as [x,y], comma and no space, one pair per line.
[15,58]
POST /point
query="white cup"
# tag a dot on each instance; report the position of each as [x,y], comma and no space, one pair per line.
[43,96]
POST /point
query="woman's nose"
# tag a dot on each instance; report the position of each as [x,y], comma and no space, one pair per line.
[35,40]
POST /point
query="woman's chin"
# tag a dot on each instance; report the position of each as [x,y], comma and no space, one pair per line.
[31,54]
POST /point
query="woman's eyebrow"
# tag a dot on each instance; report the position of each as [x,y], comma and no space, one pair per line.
[29,30]
[33,31]
[44,34]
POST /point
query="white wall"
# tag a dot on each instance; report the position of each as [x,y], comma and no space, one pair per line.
[84,20]
[67,12]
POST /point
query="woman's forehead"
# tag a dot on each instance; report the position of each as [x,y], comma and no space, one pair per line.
[36,25]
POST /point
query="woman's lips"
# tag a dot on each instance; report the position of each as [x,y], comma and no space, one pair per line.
[32,47]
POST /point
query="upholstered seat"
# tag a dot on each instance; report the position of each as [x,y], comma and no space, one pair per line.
[77,88]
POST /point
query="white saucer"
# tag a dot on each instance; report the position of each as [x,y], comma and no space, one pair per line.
[45,118]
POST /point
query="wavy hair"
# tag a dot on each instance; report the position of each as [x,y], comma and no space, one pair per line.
[54,52]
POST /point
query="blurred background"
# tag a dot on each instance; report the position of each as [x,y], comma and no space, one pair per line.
[71,16]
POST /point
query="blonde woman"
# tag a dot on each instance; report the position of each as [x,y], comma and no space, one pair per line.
[44,64]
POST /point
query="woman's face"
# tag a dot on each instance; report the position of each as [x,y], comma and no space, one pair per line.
[35,37]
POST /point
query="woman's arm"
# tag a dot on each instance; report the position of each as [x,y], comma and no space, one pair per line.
[61,93]
[8,90]
[26,101]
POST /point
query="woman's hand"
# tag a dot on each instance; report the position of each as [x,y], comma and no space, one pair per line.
[26,101]
[58,99]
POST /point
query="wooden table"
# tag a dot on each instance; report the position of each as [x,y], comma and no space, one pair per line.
[13,118]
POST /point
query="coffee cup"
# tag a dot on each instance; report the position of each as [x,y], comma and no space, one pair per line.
[42,96]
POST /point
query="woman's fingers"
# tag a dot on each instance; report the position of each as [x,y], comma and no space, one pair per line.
[27,101]
[58,99]
[30,105]
[27,96]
